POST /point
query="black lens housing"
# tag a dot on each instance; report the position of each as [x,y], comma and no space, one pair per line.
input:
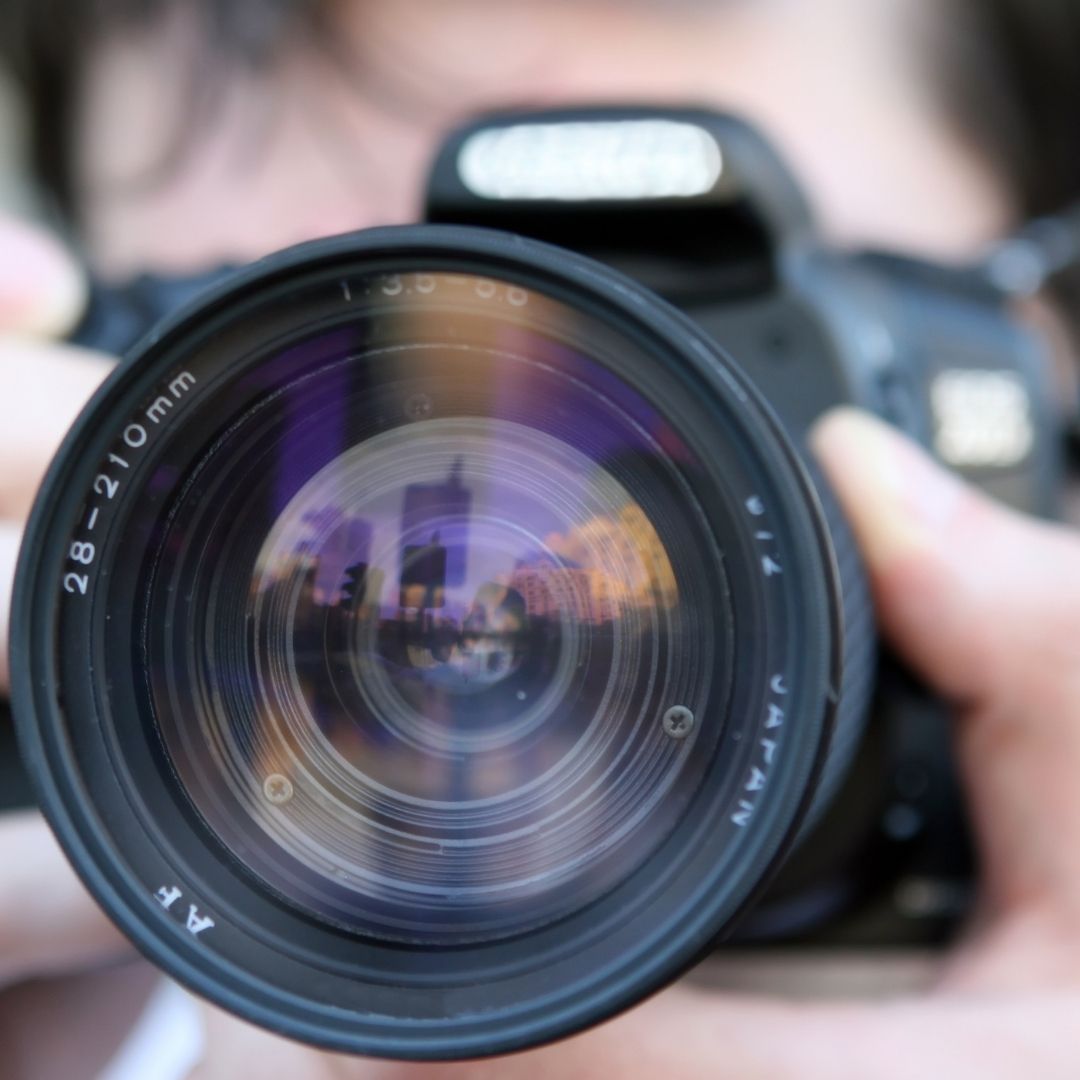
[106,786]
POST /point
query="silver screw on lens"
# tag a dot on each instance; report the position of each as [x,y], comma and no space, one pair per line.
[678,722]
[278,789]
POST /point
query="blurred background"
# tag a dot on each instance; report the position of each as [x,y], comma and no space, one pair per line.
[15,187]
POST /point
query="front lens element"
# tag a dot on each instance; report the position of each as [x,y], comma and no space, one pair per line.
[416,619]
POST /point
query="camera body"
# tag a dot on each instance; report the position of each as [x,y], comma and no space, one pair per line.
[698,208]
[472,643]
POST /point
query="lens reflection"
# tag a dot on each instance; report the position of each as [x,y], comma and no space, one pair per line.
[430,708]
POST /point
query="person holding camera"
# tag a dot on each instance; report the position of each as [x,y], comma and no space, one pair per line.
[320,118]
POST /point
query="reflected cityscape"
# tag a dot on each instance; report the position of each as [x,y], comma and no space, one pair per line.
[592,573]
[441,636]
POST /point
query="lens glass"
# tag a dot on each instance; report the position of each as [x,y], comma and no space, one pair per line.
[436,637]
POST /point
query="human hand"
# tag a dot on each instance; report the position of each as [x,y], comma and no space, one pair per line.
[43,384]
[985,605]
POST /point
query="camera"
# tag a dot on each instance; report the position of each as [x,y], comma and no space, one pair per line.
[432,640]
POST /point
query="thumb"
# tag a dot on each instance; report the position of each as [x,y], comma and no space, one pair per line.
[983,602]
[985,605]
[42,292]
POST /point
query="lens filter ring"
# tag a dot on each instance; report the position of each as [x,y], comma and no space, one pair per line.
[207,699]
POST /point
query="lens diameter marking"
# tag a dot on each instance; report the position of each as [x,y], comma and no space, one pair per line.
[163,403]
[107,484]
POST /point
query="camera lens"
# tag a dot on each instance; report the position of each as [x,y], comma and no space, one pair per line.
[427,644]
[415,618]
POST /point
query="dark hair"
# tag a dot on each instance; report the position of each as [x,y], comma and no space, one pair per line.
[1009,73]
[44,45]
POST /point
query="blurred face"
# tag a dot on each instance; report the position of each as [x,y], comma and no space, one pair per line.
[326,144]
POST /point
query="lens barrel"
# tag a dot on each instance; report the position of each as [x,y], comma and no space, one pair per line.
[427,644]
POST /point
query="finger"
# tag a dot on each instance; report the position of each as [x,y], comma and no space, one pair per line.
[42,389]
[48,922]
[42,291]
[985,605]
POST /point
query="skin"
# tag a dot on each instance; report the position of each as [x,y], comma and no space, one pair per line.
[304,150]
[984,604]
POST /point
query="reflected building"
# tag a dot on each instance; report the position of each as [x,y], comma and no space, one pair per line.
[554,592]
[625,553]
[347,545]
[435,537]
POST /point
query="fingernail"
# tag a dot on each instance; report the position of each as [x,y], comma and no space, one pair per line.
[42,291]
[896,497]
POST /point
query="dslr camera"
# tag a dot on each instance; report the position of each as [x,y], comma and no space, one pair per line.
[432,640]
